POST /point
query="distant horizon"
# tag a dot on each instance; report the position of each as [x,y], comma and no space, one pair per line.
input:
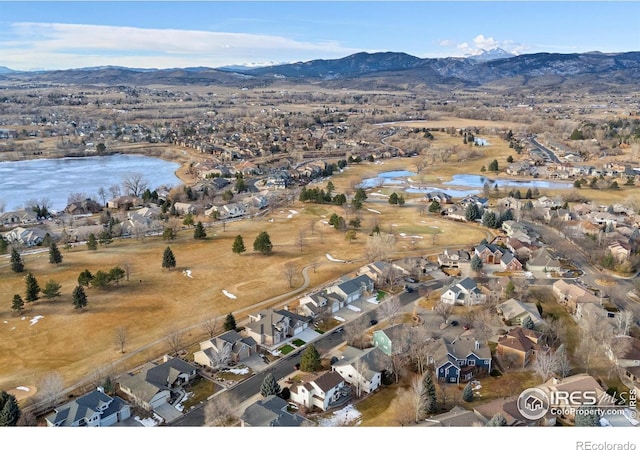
[251,66]
[64,35]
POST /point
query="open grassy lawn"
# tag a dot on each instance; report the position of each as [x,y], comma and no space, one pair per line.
[199,391]
[155,302]
[374,407]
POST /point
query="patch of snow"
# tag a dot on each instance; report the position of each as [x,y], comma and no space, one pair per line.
[187,272]
[347,414]
[23,388]
[326,222]
[35,319]
[394,224]
[4,321]
[229,294]
[373,300]
[403,234]
[180,406]
[13,328]
[275,352]
[270,220]
[331,258]
[241,371]
[289,216]
[417,237]
[379,194]
[149,421]
[374,211]
[354,308]
[293,211]
[23,318]
[339,319]
[433,226]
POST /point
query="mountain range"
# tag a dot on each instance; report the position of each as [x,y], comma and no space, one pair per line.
[593,71]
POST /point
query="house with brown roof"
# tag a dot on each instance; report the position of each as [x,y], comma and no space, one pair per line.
[519,346]
[514,312]
[271,327]
[570,295]
[226,347]
[323,392]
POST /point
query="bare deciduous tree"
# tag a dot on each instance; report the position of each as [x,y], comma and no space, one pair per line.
[355,332]
[360,367]
[379,247]
[210,326]
[398,408]
[222,356]
[444,310]
[389,309]
[545,364]
[219,411]
[624,321]
[300,240]
[174,340]
[289,271]
[417,397]
[121,337]
[51,387]
[134,184]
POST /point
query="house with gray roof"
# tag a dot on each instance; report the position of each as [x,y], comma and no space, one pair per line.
[392,339]
[362,369]
[324,392]
[514,312]
[95,409]
[270,327]
[461,359]
[352,289]
[463,292]
[227,347]
[542,260]
[153,385]
[271,411]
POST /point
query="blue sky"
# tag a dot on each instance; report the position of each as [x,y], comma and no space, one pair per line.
[61,35]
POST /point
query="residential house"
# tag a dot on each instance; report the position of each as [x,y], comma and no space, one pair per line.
[510,263]
[95,409]
[27,237]
[393,339]
[571,295]
[508,408]
[82,232]
[461,359]
[438,196]
[124,202]
[352,289]
[271,411]
[543,260]
[456,212]
[18,217]
[519,346]
[489,253]
[314,304]
[323,392]
[83,207]
[620,250]
[456,417]
[362,369]
[375,270]
[514,312]
[453,258]
[270,327]
[230,344]
[464,292]
[185,208]
[511,226]
[229,211]
[624,351]
[152,387]
[522,250]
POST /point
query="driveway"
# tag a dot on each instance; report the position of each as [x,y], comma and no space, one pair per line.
[167,412]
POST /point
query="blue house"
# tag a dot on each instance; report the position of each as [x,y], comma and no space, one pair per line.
[461,359]
[95,409]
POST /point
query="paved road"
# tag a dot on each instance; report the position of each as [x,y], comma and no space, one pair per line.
[539,146]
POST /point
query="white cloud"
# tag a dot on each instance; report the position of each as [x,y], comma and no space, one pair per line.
[56,45]
[480,43]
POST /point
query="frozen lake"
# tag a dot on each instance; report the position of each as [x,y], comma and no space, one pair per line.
[55,179]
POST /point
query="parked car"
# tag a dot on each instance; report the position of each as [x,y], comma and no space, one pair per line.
[454,323]
[411,280]
[408,288]
[373,322]
[338,330]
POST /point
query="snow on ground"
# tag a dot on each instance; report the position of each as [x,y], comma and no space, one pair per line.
[338,318]
[403,234]
[293,211]
[289,216]
[354,308]
[35,319]
[326,222]
[347,414]
[379,194]
[373,300]
[23,388]
[240,371]
[331,258]
[228,294]
[4,321]
[417,237]
[187,272]
[149,421]
[374,211]
[275,352]
[180,406]
[23,318]
[433,226]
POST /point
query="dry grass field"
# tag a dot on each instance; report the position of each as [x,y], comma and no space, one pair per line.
[156,302]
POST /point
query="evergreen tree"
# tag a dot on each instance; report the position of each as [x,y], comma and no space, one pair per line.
[100,280]
[3,245]
[431,399]
[310,359]
[51,290]
[489,219]
[9,410]
[506,215]
[168,260]
[116,274]
[32,288]
[434,207]
[55,257]
[105,237]
[92,242]
[401,200]
[238,245]
[467,393]
[472,213]
[79,297]
[269,386]
[510,288]
[476,263]
[18,304]
[229,322]
[497,420]
[85,277]
[493,166]
[198,232]
[263,243]
[16,261]
[393,199]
